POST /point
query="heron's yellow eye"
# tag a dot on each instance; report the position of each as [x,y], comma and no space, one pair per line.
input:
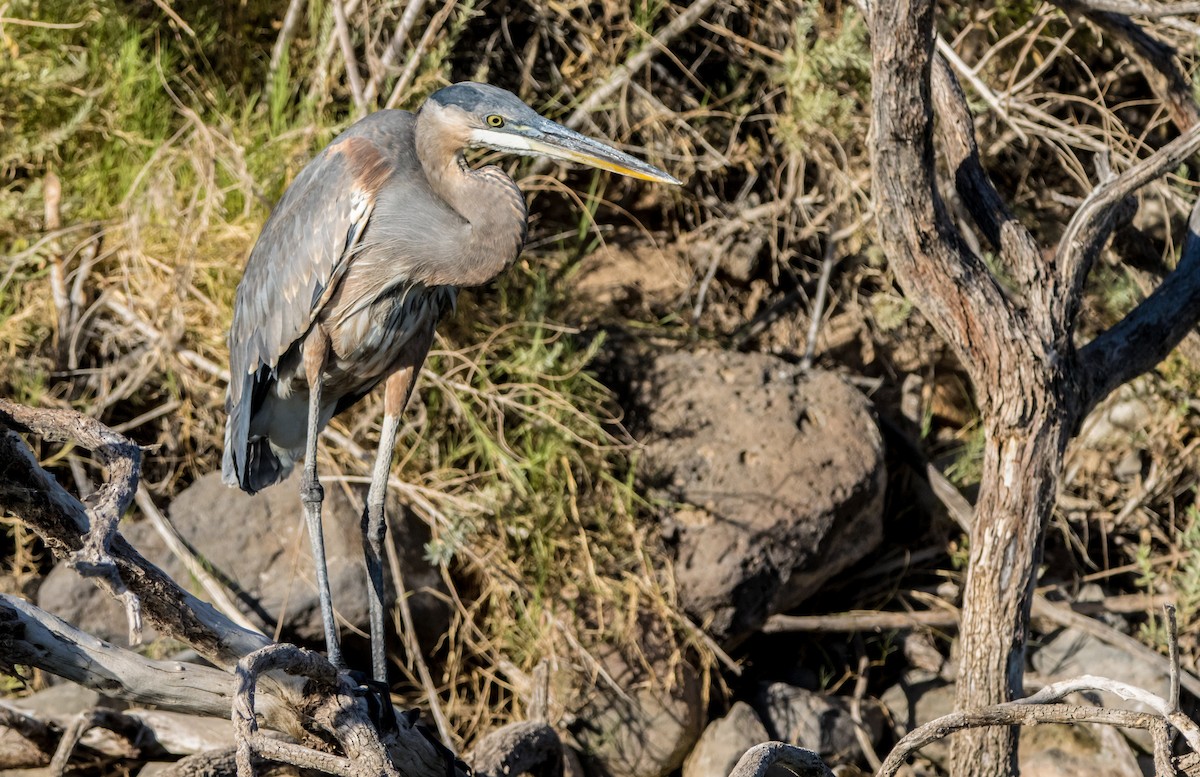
[495,120]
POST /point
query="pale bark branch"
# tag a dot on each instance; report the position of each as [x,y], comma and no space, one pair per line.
[1058,691]
[123,459]
[291,20]
[342,31]
[61,521]
[407,20]
[1009,714]
[1090,227]
[34,637]
[414,59]
[1146,8]
[758,760]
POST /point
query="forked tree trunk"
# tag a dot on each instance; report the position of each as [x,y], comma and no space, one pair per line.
[1032,385]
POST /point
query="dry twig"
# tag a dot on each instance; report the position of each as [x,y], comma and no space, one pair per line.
[123,460]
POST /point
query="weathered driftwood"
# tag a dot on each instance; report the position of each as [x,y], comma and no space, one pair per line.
[519,748]
[313,713]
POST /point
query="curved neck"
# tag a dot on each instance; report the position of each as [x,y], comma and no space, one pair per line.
[490,203]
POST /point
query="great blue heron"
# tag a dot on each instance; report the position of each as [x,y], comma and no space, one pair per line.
[364,252]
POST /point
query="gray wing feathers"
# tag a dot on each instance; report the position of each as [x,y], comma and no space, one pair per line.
[291,270]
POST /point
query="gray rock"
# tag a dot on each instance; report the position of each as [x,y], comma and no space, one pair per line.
[645,732]
[817,722]
[1072,653]
[61,702]
[917,699]
[724,741]
[262,544]
[780,476]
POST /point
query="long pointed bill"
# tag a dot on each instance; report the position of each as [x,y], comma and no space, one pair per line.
[561,143]
[550,139]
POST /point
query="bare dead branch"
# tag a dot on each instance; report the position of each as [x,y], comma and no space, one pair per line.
[60,520]
[217,591]
[818,308]
[960,296]
[1089,228]
[1147,8]
[759,759]
[418,52]
[407,21]
[860,621]
[1009,714]
[123,460]
[620,75]
[342,30]
[519,748]
[214,763]
[408,635]
[287,31]
[34,637]
[1158,60]
[1143,338]
[1173,643]
[1161,735]
[366,754]
[1057,691]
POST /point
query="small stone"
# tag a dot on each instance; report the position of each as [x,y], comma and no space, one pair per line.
[815,721]
[1085,750]
[648,733]
[917,699]
[724,742]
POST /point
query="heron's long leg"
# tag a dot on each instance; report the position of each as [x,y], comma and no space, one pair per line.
[316,348]
[374,521]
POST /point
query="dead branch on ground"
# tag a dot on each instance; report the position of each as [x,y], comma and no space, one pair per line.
[292,691]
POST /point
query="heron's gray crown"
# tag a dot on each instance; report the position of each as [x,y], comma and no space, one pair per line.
[480,99]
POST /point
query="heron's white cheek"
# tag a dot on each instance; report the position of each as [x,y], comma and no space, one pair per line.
[500,141]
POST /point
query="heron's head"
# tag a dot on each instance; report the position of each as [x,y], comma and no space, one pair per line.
[493,118]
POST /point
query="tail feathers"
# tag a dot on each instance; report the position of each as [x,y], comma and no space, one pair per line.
[261,465]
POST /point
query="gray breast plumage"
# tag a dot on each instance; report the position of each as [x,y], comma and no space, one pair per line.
[368,339]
